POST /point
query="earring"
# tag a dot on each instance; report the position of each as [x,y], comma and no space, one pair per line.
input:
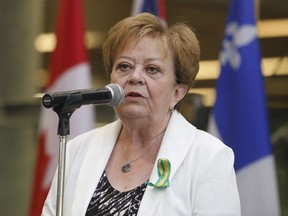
[171,109]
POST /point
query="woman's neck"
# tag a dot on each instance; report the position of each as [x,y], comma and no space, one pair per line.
[141,130]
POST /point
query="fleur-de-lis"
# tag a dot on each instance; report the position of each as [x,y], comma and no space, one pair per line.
[236,37]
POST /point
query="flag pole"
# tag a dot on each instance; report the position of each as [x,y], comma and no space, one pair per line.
[257,10]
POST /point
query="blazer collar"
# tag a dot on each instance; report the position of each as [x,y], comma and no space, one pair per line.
[174,147]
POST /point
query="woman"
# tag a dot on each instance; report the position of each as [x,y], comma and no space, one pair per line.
[151,161]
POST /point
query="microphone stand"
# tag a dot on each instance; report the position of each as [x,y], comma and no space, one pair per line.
[64,112]
[64,105]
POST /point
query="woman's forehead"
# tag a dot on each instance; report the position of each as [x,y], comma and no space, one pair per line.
[130,44]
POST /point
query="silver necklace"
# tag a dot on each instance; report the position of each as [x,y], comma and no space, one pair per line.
[127,166]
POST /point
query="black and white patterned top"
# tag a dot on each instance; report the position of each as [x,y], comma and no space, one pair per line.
[107,201]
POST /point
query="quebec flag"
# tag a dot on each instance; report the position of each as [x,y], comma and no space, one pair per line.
[239,116]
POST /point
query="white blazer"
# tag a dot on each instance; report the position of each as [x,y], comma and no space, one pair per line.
[202,178]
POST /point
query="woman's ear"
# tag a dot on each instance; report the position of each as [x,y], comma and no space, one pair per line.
[179,93]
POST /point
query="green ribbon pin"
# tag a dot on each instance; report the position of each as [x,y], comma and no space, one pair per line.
[163,168]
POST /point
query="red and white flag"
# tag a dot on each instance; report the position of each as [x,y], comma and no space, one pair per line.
[69,70]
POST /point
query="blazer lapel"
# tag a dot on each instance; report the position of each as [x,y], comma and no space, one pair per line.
[174,147]
[93,166]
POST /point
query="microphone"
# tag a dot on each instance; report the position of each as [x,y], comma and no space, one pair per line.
[112,95]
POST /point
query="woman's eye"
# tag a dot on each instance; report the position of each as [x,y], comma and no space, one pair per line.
[124,67]
[153,70]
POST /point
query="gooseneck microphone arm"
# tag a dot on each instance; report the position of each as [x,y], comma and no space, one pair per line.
[64,104]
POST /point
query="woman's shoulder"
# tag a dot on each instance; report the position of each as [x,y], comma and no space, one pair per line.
[196,136]
[92,135]
[95,131]
[205,137]
[210,145]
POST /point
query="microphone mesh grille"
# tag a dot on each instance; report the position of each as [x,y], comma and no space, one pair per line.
[117,94]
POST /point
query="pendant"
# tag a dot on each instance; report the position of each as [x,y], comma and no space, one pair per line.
[126,168]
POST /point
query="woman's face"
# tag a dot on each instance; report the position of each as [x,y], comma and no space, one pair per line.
[145,70]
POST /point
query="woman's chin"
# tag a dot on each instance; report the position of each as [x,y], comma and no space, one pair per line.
[131,112]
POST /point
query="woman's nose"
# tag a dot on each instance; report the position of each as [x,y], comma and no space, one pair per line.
[136,76]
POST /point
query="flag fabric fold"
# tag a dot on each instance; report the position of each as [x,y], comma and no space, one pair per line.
[239,116]
[156,7]
[68,70]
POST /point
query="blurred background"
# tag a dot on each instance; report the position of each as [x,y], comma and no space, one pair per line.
[27,40]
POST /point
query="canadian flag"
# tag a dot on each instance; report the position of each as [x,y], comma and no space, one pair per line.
[69,70]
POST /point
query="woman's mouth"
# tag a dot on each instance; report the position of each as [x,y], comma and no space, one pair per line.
[134,95]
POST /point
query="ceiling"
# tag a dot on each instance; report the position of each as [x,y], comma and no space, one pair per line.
[208,17]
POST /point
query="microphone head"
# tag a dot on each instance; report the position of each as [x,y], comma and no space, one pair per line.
[117,93]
